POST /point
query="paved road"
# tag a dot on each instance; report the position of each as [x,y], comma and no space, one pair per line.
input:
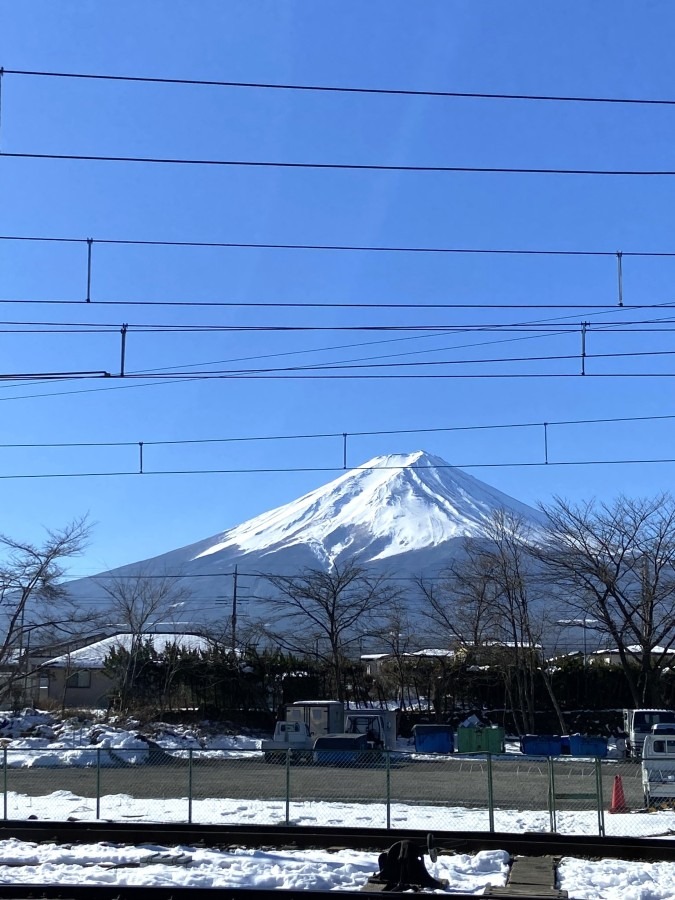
[452,781]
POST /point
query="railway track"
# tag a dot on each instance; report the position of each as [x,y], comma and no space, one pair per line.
[533,853]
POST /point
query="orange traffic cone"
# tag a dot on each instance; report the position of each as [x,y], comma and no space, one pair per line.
[618,804]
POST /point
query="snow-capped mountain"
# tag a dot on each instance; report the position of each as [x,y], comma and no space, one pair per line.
[391,505]
[404,514]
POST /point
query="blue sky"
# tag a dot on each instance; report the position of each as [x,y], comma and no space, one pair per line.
[599,49]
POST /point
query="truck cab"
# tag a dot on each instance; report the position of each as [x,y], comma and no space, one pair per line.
[638,724]
[293,736]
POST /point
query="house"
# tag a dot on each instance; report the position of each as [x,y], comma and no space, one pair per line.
[77,678]
[374,661]
[611,656]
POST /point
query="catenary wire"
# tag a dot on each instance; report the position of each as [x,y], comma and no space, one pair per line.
[343,367]
[341,89]
[304,376]
[343,371]
[318,469]
[604,420]
[283,304]
[252,245]
[157,383]
[561,327]
[334,166]
[387,340]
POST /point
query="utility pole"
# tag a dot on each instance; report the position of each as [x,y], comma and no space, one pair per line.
[234,612]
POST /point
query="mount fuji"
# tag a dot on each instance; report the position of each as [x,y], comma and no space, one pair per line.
[403,514]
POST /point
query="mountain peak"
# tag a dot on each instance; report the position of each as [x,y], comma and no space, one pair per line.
[390,505]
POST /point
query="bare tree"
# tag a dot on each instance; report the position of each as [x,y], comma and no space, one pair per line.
[462,604]
[615,564]
[137,605]
[32,595]
[489,604]
[336,607]
[397,637]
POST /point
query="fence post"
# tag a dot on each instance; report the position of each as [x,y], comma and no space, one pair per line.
[491,798]
[288,787]
[551,796]
[388,778]
[98,782]
[190,786]
[600,800]
[4,754]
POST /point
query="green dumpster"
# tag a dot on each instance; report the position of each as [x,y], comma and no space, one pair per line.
[479,739]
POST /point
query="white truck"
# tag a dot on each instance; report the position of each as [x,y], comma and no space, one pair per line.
[658,766]
[307,720]
[638,723]
[293,736]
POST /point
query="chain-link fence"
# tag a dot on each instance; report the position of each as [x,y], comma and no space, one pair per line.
[457,792]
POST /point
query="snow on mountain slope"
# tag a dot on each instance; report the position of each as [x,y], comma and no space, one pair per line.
[398,514]
[391,505]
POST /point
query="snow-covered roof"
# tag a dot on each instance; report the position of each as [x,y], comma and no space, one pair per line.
[633,648]
[93,656]
[370,657]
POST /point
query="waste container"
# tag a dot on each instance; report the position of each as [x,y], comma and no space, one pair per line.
[541,744]
[581,745]
[433,738]
[480,739]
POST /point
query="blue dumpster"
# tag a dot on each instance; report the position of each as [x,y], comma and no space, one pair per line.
[580,745]
[433,738]
[541,744]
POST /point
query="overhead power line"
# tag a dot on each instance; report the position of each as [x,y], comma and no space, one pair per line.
[343,89]
[253,245]
[388,340]
[318,469]
[283,304]
[563,326]
[445,429]
[358,376]
[344,167]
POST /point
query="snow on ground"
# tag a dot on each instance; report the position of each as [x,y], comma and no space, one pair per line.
[347,870]
[52,743]
[184,866]
[309,870]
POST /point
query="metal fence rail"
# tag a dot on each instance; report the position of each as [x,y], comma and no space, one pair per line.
[474,792]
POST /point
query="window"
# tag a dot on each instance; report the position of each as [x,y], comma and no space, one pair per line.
[79,680]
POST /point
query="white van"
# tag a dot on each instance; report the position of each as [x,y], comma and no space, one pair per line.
[658,766]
